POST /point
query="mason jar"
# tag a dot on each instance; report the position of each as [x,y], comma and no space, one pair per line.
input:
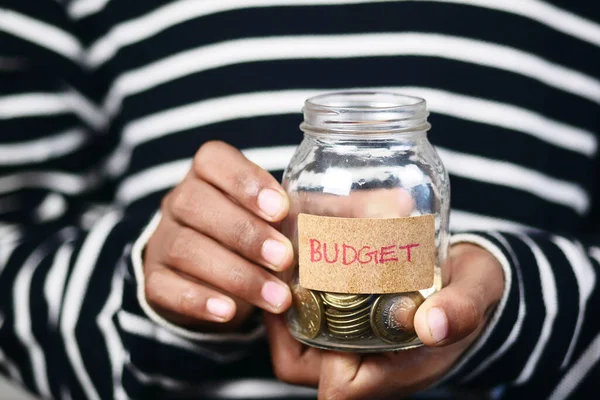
[369,212]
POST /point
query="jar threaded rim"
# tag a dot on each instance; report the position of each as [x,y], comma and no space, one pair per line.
[364,112]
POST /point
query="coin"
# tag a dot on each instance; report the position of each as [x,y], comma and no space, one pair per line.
[349,334]
[349,327]
[347,315]
[345,303]
[355,320]
[333,313]
[309,311]
[383,320]
[404,311]
[341,296]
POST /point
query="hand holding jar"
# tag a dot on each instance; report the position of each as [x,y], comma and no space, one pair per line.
[369,212]
[207,263]
[448,323]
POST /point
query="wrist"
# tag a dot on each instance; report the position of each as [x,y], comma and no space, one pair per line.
[469,255]
[488,338]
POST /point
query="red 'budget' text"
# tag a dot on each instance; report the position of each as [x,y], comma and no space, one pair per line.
[346,254]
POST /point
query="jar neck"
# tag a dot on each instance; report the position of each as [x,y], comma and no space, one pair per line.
[370,115]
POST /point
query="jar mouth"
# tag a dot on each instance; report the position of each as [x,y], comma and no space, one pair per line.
[364,112]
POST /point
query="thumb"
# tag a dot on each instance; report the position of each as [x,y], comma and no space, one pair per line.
[474,287]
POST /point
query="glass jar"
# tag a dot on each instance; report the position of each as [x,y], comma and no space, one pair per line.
[369,210]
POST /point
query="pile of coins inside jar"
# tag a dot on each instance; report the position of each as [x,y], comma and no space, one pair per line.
[347,315]
[350,317]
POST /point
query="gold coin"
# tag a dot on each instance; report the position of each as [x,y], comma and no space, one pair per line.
[346,304]
[340,300]
[350,333]
[355,320]
[343,297]
[333,313]
[309,311]
[340,296]
[349,327]
[383,322]
[347,296]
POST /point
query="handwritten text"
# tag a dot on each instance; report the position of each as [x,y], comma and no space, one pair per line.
[346,254]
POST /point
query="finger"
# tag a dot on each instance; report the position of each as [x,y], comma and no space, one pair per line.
[200,206]
[404,309]
[293,362]
[167,290]
[226,168]
[202,258]
[338,375]
[460,308]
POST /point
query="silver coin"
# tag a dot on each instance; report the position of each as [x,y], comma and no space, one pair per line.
[383,322]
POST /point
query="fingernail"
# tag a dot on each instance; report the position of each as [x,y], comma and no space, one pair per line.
[274,293]
[274,252]
[438,324]
[270,202]
[219,307]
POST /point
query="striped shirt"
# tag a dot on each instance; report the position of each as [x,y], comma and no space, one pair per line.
[104,102]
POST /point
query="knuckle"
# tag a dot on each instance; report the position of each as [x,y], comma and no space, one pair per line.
[245,233]
[284,375]
[283,369]
[179,247]
[214,145]
[246,182]
[166,200]
[188,303]
[152,287]
[472,314]
[154,243]
[239,281]
[180,201]
[280,371]
[334,392]
[205,153]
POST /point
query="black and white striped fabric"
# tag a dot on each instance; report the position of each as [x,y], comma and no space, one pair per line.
[104,102]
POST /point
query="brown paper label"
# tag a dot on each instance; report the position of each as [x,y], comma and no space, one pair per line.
[366,255]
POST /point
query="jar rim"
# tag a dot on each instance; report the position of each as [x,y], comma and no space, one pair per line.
[364,112]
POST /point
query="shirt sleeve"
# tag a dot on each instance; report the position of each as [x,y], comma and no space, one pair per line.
[543,340]
[71,325]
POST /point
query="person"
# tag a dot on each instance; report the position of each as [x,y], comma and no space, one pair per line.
[113,110]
